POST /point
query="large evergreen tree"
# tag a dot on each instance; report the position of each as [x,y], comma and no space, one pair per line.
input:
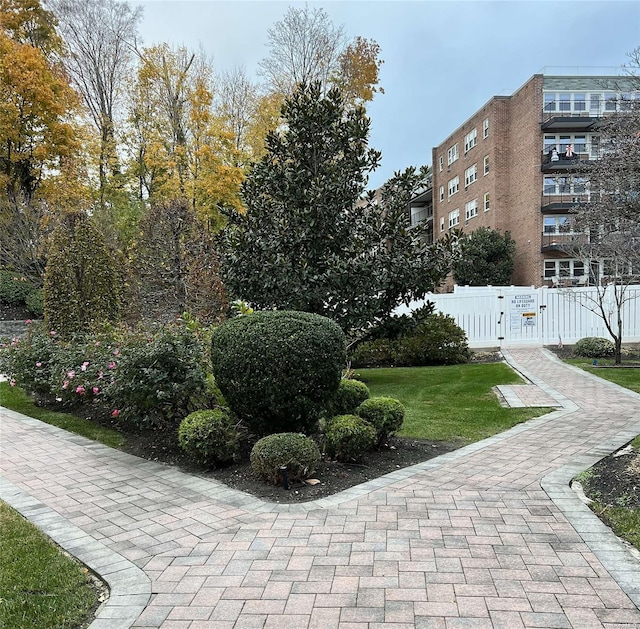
[484,258]
[311,239]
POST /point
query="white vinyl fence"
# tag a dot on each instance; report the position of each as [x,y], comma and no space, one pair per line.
[523,315]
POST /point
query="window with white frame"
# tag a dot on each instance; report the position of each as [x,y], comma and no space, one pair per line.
[585,146]
[565,268]
[470,174]
[485,164]
[485,202]
[471,209]
[470,140]
[564,185]
[454,185]
[454,218]
[485,128]
[452,154]
[557,224]
[586,103]
[442,223]
[441,193]
[441,162]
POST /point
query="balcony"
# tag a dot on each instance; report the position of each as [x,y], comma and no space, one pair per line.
[560,162]
[562,203]
[421,208]
[569,121]
[559,240]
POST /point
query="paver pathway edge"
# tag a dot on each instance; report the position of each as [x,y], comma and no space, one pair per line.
[613,555]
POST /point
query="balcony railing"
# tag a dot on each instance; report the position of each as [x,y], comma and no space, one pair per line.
[562,202]
[421,215]
[567,160]
[560,240]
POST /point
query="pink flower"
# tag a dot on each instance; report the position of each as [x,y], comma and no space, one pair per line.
[65,384]
[116,351]
[97,343]
[38,364]
[115,412]
[52,333]
[28,322]
[112,365]
[95,390]
[80,390]
[84,365]
[100,374]
[71,374]
[12,383]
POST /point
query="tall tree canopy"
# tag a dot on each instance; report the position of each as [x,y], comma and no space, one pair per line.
[485,257]
[306,47]
[310,240]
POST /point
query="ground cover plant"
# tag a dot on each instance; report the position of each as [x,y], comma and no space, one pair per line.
[40,585]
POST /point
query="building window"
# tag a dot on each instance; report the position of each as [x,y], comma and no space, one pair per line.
[454,218]
[556,224]
[452,154]
[470,140]
[485,128]
[563,269]
[442,224]
[441,193]
[486,164]
[486,202]
[454,185]
[441,162]
[583,146]
[470,175]
[471,209]
[564,186]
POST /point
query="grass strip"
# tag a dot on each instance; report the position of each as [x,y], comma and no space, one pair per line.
[17,400]
[628,378]
[39,584]
[453,403]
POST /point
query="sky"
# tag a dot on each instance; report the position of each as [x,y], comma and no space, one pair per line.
[443,60]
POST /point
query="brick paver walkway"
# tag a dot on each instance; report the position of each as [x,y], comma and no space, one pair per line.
[486,536]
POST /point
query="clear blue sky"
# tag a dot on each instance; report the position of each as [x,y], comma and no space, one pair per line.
[442,60]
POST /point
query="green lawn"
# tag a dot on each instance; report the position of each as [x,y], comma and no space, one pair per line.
[453,403]
[17,400]
[40,587]
[629,378]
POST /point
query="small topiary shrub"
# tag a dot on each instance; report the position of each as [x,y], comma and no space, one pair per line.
[350,394]
[594,347]
[210,437]
[299,453]
[385,414]
[35,302]
[14,288]
[278,370]
[349,437]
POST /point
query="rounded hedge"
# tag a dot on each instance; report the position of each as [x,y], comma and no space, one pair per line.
[297,452]
[35,302]
[14,288]
[385,414]
[279,369]
[594,347]
[209,437]
[349,437]
[350,394]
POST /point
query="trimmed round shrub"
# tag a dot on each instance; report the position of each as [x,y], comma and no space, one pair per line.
[210,437]
[35,302]
[385,414]
[594,347]
[349,437]
[297,452]
[279,369]
[350,394]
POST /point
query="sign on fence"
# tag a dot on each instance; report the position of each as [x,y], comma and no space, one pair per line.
[517,315]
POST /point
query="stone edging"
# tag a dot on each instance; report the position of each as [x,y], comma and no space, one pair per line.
[129,586]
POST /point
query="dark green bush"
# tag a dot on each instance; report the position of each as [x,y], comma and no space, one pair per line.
[13,287]
[299,453]
[594,347]
[349,437]
[385,414]
[156,379]
[209,436]
[437,340]
[81,284]
[35,302]
[350,394]
[278,370]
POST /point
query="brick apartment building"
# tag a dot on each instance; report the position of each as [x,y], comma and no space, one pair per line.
[514,166]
